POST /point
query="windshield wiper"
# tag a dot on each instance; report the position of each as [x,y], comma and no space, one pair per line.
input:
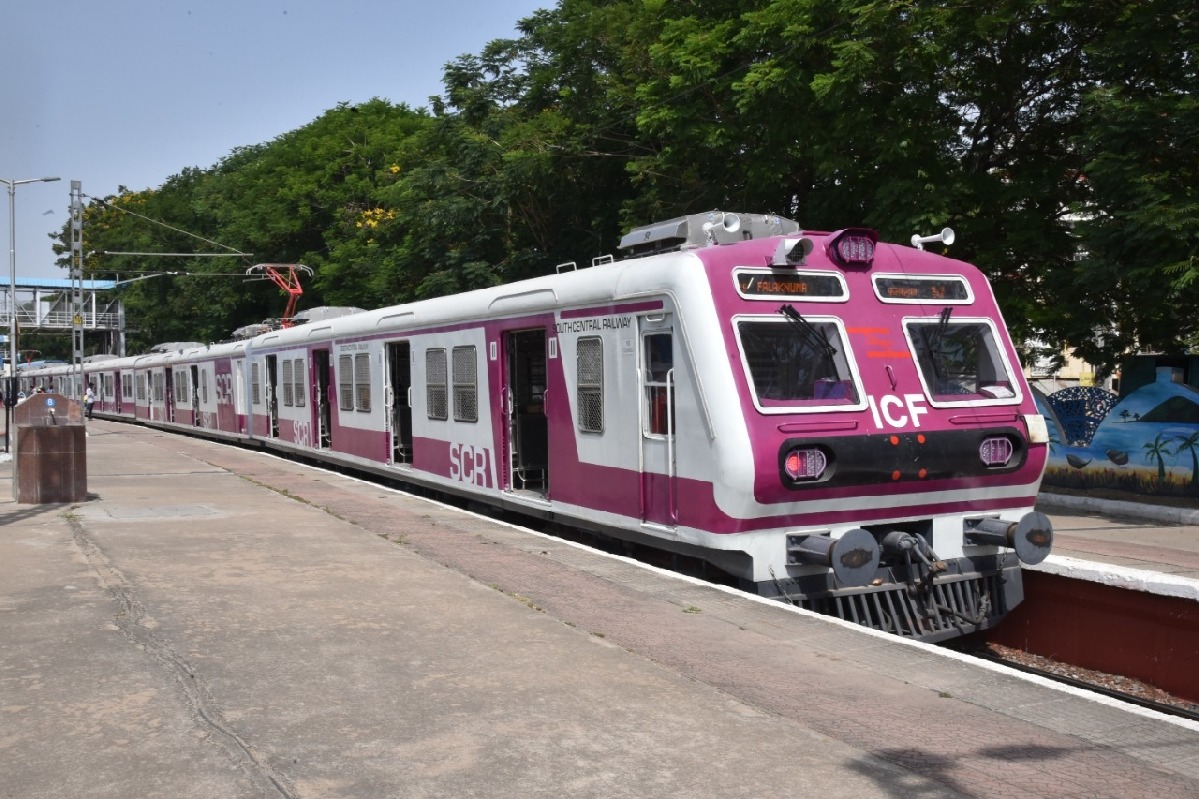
[811,334]
[934,341]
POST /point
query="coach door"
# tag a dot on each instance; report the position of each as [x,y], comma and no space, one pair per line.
[658,490]
[272,393]
[320,398]
[526,443]
[399,400]
[168,395]
[195,389]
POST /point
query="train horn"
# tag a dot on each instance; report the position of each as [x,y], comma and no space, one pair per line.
[1031,537]
[729,223]
[946,237]
[853,557]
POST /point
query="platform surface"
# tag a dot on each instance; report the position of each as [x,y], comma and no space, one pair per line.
[215,622]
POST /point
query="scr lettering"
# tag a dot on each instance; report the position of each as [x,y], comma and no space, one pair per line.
[470,464]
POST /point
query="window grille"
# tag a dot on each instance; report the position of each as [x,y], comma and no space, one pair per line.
[287,388]
[466,390]
[590,379]
[435,380]
[298,378]
[362,382]
[345,382]
[256,383]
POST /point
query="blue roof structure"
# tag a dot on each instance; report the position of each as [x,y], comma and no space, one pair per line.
[57,283]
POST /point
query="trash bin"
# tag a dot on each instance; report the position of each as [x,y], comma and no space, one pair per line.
[51,450]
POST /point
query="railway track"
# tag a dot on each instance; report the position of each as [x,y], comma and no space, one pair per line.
[1114,686]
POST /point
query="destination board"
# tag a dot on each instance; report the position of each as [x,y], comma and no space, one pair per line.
[948,288]
[790,284]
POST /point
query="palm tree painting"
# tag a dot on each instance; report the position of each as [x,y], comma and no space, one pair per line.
[1159,449]
[1190,444]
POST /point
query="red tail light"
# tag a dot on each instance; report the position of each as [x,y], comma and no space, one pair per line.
[805,464]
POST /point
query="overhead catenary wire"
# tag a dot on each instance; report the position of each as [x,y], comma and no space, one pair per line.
[115,206]
[180,254]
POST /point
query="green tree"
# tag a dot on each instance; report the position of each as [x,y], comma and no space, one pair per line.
[1057,139]
[1135,289]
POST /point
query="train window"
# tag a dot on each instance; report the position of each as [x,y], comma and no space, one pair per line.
[287,388]
[298,379]
[345,382]
[466,388]
[126,386]
[659,378]
[435,384]
[141,386]
[204,386]
[590,378]
[362,382]
[960,361]
[255,383]
[797,365]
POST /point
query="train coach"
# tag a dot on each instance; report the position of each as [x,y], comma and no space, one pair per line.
[832,420]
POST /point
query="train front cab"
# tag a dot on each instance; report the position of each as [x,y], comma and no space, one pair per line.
[893,431]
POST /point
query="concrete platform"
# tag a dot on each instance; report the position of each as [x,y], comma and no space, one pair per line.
[1137,546]
[221,623]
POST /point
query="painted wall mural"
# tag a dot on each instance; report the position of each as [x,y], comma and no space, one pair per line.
[1145,443]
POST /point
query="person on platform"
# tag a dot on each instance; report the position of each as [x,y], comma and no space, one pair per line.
[89,400]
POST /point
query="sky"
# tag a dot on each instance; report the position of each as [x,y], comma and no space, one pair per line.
[131,92]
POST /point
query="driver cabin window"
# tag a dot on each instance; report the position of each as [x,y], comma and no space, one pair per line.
[960,361]
[659,379]
[797,366]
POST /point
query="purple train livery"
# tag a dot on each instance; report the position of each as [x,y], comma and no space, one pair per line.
[828,419]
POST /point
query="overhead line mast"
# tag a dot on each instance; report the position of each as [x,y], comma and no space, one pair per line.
[77,287]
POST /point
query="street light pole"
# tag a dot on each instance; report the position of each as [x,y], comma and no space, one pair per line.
[10,393]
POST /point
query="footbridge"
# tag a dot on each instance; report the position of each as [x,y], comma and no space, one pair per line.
[44,305]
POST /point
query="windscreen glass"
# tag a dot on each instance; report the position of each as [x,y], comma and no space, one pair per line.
[790,364]
[960,361]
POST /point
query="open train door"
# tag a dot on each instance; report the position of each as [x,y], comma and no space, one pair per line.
[320,398]
[526,433]
[168,394]
[195,391]
[399,400]
[658,490]
[272,393]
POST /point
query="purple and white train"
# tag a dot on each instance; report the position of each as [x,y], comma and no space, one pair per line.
[829,419]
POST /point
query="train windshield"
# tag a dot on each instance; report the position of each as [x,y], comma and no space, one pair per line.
[960,361]
[790,366]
